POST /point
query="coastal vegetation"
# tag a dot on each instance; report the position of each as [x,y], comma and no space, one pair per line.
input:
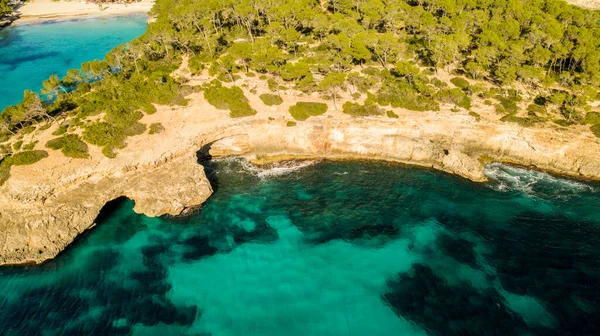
[304,110]
[271,99]
[533,61]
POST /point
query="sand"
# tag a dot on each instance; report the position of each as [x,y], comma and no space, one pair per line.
[36,11]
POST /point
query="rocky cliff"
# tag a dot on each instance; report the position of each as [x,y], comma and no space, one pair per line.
[45,206]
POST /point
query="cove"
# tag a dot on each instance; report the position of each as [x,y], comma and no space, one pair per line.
[330,248]
[30,53]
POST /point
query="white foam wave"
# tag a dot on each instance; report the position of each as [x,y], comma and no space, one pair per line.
[270,170]
[510,178]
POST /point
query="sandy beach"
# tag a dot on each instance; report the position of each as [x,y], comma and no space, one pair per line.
[47,10]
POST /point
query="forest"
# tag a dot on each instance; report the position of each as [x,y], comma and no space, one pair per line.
[383,52]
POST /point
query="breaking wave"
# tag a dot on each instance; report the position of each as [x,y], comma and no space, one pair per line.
[508,178]
[241,165]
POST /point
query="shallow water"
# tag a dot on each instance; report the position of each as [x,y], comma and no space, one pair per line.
[330,249]
[29,54]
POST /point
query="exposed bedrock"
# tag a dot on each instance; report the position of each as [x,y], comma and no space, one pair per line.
[44,207]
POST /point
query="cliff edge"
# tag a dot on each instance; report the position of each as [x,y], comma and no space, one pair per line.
[45,206]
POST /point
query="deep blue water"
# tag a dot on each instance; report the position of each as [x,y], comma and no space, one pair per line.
[330,249]
[29,54]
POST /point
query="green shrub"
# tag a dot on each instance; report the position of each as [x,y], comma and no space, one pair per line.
[103,133]
[70,145]
[195,64]
[460,82]
[535,110]
[109,151]
[475,115]
[5,136]
[358,110]
[28,129]
[401,94]
[17,145]
[391,114]
[592,118]
[231,99]
[270,99]
[596,130]
[304,110]
[149,108]
[27,157]
[45,126]
[5,148]
[62,129]
[136,128]
[250,74]
[519,120]
[438,83]
[488,102]
[454,96]
[506,106]
[291,123]
[561,122]
[4,170]
[156,128]
[30,146]
[117,125]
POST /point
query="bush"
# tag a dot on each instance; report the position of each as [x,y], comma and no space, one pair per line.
[62,129]
[506,106]
[4,170]
[28,129]
[156,128]
[27,157]
[70,145]
[401,94]
[30,146]
[270,99]
[525,122]
[592,118]
[475,115]
[454,96]
[596,130]
[438,83]
[561,122]
[231,99]
[102,133]
[109,151]
[149,108]
[196,64]
[304,110]
[535,110]
[291,123]
[117,125]
[460,82]
[17,145]
[391,114]
[358,110]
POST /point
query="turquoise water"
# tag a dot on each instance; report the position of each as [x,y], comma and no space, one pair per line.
[330,249]
[29,54]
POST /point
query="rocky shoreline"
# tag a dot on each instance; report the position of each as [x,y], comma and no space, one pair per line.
[45,206]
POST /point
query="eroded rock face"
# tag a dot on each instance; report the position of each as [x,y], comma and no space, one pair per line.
[43,207]
[31,232]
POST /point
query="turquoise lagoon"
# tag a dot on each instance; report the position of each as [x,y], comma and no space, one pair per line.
[29,54]
[325,248]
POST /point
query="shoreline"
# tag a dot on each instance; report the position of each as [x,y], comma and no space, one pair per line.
[48,11]
[44,207]
[40,20]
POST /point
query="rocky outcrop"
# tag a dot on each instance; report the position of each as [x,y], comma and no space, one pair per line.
[45,206]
